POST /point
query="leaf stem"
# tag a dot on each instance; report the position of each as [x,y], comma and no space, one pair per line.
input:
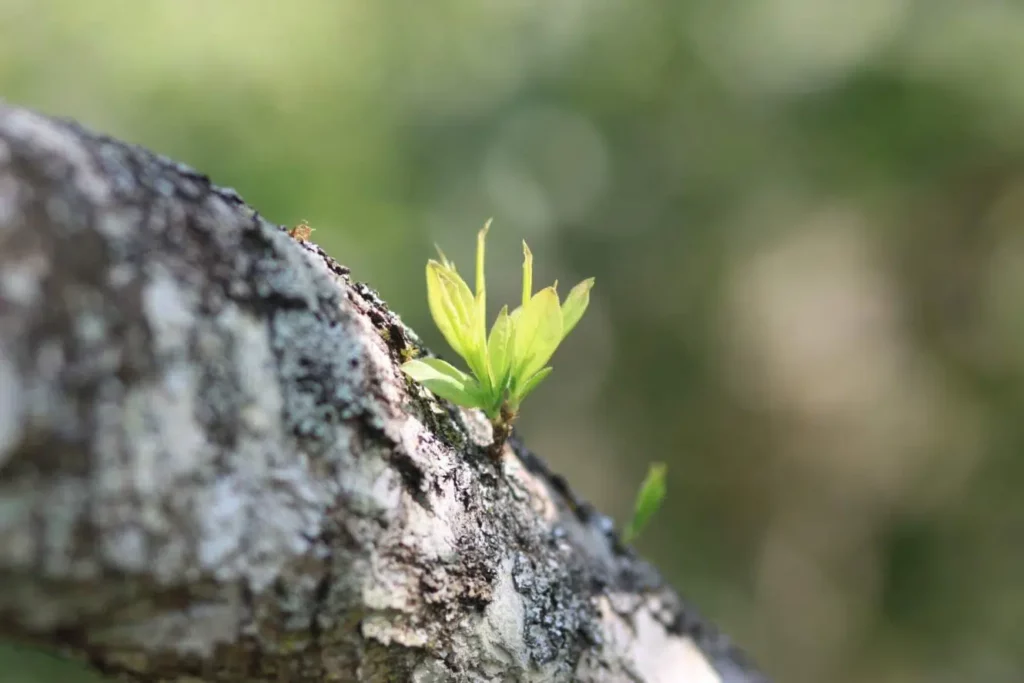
[502,427]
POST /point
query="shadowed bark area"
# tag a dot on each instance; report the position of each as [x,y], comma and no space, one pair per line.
[211,466]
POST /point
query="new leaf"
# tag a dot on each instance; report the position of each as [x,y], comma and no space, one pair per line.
[538,333]
[446,381]
[648,500]
[499,351]
[575,305]
[456,314]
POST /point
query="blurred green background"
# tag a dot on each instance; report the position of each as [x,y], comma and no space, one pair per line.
[805,221]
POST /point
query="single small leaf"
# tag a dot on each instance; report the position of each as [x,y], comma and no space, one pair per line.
[538,333]
[481,289]
[575,305]
[527,274]
[648,500]
[481,239]
[452,306]
[499,350]
[458,296]
[444,311]
[528,386]
[513,319]
[445,380]
[445,368]
[477,360]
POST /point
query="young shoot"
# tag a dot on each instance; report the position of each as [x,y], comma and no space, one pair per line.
[507,363]
[648,500]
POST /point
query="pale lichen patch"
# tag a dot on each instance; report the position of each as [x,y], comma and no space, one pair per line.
[639,643]
[536,492]
[162,433]
[169,310]
[385,631]
[11,424]
[17,536]
[21,280]
[223,524]
[61,146]
[667,658]
[126,549]
[119,223]
[501,630]
[389,585]
[8,197]
[369,486]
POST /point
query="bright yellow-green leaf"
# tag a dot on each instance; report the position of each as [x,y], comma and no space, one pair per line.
[648,500]
[537,335]
[452,307]
[441,309]
[575,305]
[481,286]
[481,238]
[527,274]
[476,349]
[446,368]
[499,350]
[445,380]
[528,386]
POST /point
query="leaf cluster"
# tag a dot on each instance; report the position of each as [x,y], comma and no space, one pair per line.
[508,362]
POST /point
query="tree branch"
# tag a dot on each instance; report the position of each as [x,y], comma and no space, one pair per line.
[211,467]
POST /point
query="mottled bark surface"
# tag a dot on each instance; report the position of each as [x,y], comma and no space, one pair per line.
[211,467]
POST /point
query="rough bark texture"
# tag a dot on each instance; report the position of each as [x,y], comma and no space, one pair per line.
[211,467]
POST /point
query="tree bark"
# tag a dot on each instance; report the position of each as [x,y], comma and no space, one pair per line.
[211,467]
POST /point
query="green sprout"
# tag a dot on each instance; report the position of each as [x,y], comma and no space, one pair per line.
[648,500]
[508,363]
